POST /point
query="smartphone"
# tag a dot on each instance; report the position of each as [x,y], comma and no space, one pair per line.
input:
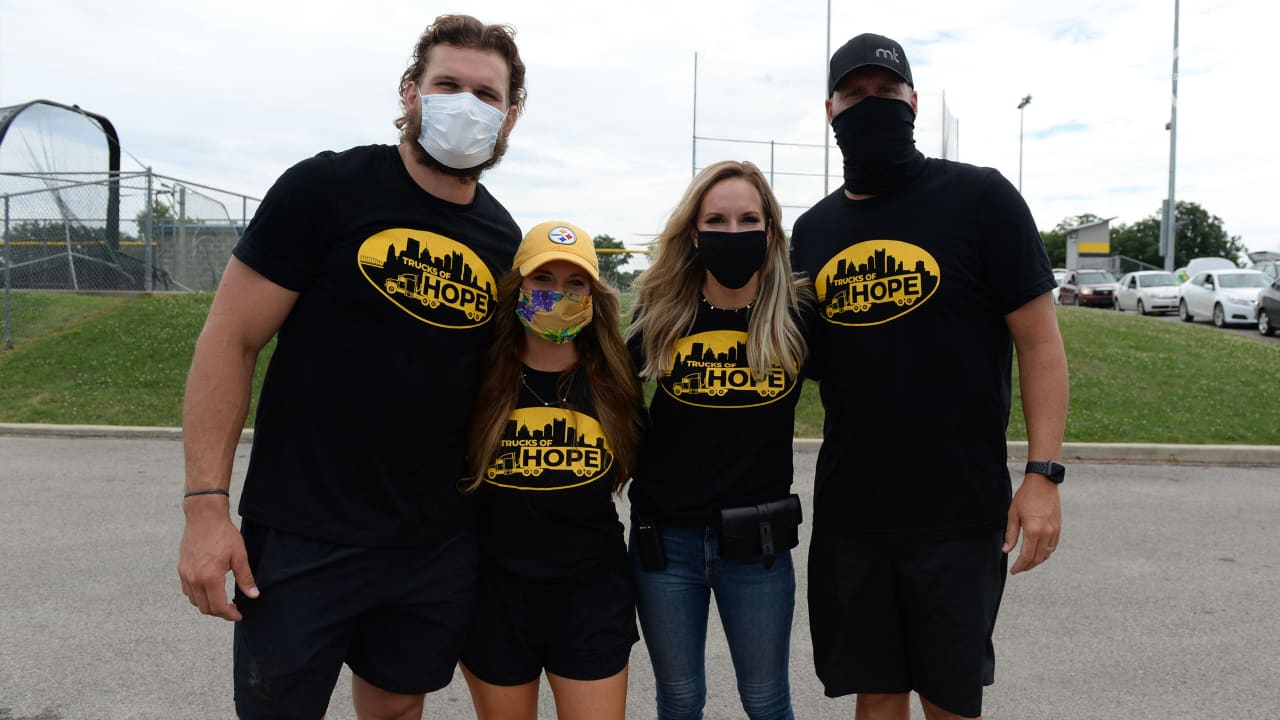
[653,557]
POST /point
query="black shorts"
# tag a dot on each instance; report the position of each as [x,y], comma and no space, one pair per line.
[897,617]
[580,628]
[396,616]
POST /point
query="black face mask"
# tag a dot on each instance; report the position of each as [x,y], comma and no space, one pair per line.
[877,139]
[732,257]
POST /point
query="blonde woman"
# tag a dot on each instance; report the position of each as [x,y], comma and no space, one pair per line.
[718,328]
[553,437]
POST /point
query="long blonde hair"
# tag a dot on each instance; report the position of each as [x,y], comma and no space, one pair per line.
[602,356]
[668,290]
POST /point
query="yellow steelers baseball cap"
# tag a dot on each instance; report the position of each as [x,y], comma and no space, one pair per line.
[557,240]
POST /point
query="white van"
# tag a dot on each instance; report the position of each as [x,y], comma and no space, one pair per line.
[1202,264]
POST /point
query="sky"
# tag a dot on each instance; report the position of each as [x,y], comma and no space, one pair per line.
[231,93]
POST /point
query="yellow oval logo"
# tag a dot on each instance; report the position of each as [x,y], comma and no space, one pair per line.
[433,278]
[710,369]
[550,449]
[875,281]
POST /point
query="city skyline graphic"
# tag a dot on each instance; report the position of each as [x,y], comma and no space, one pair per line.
[437,280]
[711,369]
[547,448]
[876,281]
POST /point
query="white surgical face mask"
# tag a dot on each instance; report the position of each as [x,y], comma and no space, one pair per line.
[459,129]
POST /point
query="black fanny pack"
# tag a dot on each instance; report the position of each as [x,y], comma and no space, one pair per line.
[761,530]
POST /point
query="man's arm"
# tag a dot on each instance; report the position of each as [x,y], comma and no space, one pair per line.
[1036,510]
[247,311]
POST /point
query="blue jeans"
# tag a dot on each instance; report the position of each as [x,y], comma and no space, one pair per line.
[755,606]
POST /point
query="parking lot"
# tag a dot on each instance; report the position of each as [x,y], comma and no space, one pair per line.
[1160,604]
[1243,330]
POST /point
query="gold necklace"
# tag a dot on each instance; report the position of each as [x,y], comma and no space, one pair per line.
[558,402]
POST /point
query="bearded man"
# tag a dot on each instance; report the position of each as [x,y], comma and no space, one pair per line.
[375,268]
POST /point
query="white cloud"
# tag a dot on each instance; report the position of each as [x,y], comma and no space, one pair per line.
[231,93]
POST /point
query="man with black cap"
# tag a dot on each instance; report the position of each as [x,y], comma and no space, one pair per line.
[928,273]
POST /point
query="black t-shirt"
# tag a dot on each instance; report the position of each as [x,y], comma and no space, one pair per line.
[913,352]
[546,503]
[717,438]
[360,432]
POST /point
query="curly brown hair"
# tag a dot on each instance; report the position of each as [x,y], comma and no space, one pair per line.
[465,31]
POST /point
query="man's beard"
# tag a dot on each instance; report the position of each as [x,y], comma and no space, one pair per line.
[413,128]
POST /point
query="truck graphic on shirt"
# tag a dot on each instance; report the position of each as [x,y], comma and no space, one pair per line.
[434,291]
[509,464]
[844,302]
[691,384]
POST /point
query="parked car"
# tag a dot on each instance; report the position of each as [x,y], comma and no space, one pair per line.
[1227,296]
[1087,287]
[1201,264]
[1147,292]
[1268,261]
[1268,308]
[1271,267]
[1059,274]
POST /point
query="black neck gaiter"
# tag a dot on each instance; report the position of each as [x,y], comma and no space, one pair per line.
[877,139]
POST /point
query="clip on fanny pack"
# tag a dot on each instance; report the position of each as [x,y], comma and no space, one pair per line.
[760,530]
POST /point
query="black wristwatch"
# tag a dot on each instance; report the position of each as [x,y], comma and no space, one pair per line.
[1056,472]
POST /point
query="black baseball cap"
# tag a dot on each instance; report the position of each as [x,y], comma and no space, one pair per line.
[868,49]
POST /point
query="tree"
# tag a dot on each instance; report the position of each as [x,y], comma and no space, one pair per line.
[611,262]
[160,213]
[1199,234]
[1140,241]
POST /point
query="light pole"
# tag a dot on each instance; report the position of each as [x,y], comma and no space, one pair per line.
[1021,107]
[1169,223]
[826,127]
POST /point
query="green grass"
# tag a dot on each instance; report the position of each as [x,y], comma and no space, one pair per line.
[37,314]
[1144,379]
[102,361]
[123,361]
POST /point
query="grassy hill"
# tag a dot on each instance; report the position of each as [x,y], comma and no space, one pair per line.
[123,361]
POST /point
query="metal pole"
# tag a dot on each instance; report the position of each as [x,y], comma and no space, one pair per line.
[826,128]
[8,260]
[1170,226]
[71,255]
[146,264]
[179,266]
[1021,113]
[1021,123]
[770,163]
[693,152]
[944,126]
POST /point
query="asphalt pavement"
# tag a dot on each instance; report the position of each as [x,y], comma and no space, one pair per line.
[1160,603]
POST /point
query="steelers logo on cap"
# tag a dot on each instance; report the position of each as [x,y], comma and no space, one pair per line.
[562,235]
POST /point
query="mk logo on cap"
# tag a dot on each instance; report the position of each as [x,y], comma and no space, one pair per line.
[888,54]
[562,235]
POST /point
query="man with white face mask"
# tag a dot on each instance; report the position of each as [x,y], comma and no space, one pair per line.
[377,267]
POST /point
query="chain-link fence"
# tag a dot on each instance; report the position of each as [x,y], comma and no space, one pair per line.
[108,232]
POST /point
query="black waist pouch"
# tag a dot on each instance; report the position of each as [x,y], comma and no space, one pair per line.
[761,530]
